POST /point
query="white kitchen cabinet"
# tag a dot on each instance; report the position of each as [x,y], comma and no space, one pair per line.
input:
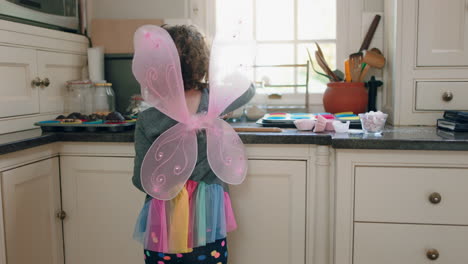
[31,201]
[102,206]
[18,68]
[47,57]
[21,67]
[270,210]
[406,195]
[427,59]
[400,206]
[57,68]
[415,244]
[442,33]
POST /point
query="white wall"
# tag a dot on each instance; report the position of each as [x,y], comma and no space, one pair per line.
[374,5]
[138,9]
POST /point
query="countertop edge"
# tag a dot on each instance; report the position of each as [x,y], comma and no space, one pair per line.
[28,143]
[411,138]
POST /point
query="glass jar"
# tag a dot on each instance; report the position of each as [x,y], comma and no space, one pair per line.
[104,97]
[79,97]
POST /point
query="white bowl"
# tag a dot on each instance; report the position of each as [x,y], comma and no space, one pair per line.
[304,124]
[341,127]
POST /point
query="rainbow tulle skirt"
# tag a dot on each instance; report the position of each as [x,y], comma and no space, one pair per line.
[200,214]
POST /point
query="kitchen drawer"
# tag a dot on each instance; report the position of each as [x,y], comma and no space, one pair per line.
[402,195]
[401,243]
[439,96]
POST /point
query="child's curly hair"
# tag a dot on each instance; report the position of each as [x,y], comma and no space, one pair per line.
[194,55]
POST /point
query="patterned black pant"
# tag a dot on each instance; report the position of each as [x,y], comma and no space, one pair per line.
[212,253]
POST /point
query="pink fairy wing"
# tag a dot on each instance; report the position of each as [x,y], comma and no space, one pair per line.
[226,152]
[156,67]
[169,162]
[230,71]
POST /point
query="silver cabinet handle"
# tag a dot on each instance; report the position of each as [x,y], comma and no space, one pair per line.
[36,82]
[45,82]
[432,254]
[447,96]
[435,198]
[61,215]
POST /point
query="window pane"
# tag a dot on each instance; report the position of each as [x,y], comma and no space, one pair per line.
[230,13]
[316,19]
[275,54]
[317,83]
[275,19]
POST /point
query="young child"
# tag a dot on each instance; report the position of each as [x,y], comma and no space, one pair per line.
[204,203]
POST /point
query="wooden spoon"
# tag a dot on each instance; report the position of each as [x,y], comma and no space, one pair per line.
[324,62]
[325,67]
[355,66]
[313,67]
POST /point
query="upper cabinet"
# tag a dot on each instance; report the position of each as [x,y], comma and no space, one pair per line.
[35,64]
[19,95]
[427,54]
[442,33]
[55,70]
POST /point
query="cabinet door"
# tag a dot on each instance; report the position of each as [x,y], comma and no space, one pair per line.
[31,200]
[58,68]
[442,33]
[102,206]
[17,71]
[270,211]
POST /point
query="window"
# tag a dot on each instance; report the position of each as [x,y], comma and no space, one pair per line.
[284,29]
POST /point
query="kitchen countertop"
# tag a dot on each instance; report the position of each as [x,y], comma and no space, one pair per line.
[403,138]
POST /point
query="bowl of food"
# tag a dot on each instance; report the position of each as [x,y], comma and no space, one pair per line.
[373,122]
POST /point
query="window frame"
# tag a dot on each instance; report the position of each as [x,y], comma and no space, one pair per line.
[348,35]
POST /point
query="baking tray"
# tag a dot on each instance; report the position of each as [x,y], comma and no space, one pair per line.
[352,125]
[50,126]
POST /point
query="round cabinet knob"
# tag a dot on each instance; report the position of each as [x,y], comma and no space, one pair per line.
[447,96]
[61,215]
[432,254]
[435,198]
[45,82]
[36,82]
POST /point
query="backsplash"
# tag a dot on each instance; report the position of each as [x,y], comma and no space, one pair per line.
[118,71]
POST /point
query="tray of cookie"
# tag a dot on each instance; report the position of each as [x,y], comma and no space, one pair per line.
[75,122]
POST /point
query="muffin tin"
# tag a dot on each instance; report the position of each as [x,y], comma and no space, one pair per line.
[286,120]
[93,126]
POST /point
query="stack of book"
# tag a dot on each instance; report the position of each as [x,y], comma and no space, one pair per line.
[456,121]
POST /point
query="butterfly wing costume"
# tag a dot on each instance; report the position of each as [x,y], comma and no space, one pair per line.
[171,159]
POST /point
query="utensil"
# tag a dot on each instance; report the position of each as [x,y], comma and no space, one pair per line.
[374,59]
[325,64]
[370,33]
[355,61]
[364,72]
[339,74]
[325,67]
[347,71]
[319,50]
[313,67]
[258,129]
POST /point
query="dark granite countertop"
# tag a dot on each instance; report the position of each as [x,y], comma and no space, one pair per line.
[404,138]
